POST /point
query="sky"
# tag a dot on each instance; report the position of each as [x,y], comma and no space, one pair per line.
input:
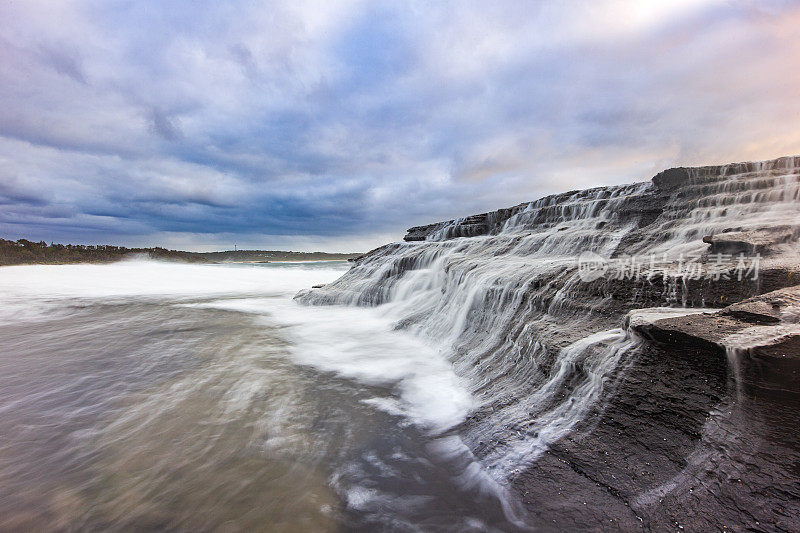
[328,125]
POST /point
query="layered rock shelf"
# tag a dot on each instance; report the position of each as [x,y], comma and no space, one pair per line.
[633,350]
[761,336]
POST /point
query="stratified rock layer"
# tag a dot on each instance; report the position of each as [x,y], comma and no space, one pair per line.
[684,421]
[760,335]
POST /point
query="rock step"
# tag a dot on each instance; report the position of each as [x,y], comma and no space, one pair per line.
[761,335]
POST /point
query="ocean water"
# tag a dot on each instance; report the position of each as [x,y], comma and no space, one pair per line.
[202,397]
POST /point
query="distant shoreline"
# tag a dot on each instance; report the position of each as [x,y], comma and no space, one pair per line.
[25,252]
[281,261]
[180,262]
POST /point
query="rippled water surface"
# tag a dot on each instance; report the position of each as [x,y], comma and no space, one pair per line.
[150,395]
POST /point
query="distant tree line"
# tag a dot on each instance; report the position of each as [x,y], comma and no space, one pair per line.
[274,255]
[23,252]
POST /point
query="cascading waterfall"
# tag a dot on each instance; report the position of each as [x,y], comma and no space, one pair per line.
[475,377]
[542,422]
[500,296]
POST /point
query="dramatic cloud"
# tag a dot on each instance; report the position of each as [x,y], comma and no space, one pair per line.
[336,125]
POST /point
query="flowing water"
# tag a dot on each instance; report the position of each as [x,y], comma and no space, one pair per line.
[141,395]
[409,395]
[503,298]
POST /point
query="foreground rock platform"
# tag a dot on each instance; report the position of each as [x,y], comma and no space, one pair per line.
[759,335]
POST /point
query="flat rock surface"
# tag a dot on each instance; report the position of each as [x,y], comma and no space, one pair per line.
[773,315]
[760,336]
[763,241]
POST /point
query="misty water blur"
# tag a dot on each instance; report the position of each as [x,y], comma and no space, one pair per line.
[201,397]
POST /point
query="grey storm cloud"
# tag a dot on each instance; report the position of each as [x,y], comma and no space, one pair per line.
[62,61]
[339,124]
[165,126]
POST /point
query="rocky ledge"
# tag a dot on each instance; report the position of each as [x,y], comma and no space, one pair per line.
[671,189]
[760,336]
[761,241]
[687,419]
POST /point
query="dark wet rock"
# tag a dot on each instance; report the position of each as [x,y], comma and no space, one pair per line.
[696,427]
[780,307]
[704,331]
[671,451]
[471,226]
[672,178]
[755,310]
[671,448]
[672,191]
[762,241]
[760,335]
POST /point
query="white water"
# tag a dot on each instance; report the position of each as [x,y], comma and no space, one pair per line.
[145,369]
[431,331]
[360,344]
[507,310]
[31,291]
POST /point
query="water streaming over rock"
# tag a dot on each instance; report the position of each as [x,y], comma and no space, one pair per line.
[144,395]
[501,296]
[432,386]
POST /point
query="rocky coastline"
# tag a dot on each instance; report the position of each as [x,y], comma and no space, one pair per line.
[612,411]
